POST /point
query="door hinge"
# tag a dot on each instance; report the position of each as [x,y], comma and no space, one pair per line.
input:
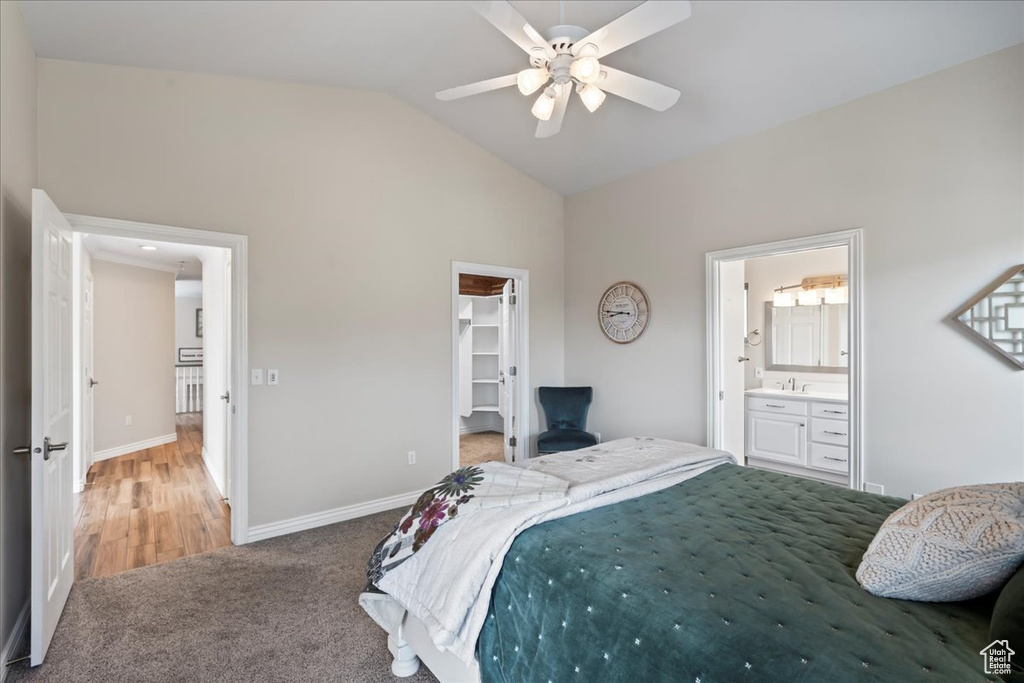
[512,299]
[501,300]
[512,371]
[512,441]
[721,395]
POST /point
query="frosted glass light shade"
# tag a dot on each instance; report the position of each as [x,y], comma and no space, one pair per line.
[592,97]
[530,80]
[545,105]
[585,69]
[837,295]
[782,299]
[809,297]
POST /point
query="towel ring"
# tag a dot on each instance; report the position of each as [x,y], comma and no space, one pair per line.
[754,338]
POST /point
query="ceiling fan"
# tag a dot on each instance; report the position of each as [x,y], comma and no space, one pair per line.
[569,58]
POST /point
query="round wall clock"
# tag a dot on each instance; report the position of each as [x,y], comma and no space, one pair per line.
[624,312]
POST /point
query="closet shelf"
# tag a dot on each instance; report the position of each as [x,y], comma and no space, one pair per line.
[485,353]
[485,381]
[485,409]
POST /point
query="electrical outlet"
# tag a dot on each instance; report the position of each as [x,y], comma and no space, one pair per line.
[256,376]
[272,378]
[127,420]
[412,457]
[758,372]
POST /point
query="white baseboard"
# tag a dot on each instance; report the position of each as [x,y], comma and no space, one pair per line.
[13,641]
[482,428]
[132,447]
[342,514]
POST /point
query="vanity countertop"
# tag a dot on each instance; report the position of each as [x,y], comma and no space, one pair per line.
[786,393]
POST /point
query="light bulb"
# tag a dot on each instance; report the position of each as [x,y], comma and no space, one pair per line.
[592,97]
[530,80]
[585,69]
[782,299]
[545,105]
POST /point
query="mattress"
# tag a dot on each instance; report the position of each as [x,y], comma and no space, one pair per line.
[735,575]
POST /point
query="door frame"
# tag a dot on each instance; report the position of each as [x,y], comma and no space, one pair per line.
[854,241]
[522,277]
[238,458]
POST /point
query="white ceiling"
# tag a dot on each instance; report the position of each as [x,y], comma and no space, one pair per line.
[741,66]
[182,259]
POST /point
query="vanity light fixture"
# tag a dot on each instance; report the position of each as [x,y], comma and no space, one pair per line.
[832,288]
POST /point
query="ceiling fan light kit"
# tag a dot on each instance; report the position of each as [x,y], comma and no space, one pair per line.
[569,58]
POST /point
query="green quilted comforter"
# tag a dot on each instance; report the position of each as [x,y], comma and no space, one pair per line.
[735,575]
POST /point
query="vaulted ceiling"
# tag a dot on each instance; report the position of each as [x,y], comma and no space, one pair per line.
[742,67]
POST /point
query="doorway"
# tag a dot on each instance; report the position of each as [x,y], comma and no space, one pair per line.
[151,375]
[489,368]
[784,369]
[58,378]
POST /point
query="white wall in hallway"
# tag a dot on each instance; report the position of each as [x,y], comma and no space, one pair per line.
[185,323]
[133,339]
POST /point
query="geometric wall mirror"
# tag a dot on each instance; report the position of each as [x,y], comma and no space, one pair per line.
[996,316]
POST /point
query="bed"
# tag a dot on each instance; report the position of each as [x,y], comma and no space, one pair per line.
[730,574]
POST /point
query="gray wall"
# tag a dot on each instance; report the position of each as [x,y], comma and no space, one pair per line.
[133,348]
[17,178]
[932,170]
[355,204]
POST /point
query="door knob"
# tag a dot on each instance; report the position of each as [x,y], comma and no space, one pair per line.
[22,450]
[50,447]
[92,382]
[226,396]
[742,359]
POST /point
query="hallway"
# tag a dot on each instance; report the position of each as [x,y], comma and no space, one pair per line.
[150,506]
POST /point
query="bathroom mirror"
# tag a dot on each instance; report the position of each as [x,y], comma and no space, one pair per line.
[807,338]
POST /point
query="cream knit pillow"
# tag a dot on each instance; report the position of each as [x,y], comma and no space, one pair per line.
[954,544]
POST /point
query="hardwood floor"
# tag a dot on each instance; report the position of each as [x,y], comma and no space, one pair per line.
[150,506]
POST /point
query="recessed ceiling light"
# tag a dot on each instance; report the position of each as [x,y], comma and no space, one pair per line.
[147,247]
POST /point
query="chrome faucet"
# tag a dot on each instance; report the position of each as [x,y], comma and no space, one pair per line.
[792,383]
[804,387]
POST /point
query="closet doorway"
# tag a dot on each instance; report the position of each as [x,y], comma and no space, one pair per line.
[488,368]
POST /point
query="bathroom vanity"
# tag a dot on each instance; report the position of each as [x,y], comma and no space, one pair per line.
[800,433]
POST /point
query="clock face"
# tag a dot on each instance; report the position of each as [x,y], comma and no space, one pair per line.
[624,312]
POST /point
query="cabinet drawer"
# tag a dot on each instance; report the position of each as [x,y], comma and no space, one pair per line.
[777,405]
[834,411]
[832,458]
[830,431]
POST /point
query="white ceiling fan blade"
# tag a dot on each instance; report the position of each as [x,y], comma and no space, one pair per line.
[504,17]
[636,24]
[640,90]
[476,88]
[546,129]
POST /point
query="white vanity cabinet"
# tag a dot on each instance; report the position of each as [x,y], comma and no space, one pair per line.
[802,434]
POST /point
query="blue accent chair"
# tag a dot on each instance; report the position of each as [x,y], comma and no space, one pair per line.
[565,409]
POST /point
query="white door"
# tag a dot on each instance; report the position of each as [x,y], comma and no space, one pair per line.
[507,370]
[52,457]
[229,413]
[731,281]
[798,335]
[87,377]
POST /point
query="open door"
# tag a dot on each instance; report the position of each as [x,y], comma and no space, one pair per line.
[52,457]
[734,313]
[507,370]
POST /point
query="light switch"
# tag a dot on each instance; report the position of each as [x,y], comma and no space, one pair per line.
[256,376]
[272,377]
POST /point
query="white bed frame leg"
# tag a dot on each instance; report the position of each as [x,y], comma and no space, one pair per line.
[406,662]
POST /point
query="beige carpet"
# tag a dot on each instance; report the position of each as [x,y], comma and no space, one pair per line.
[483,447]
[279,610]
